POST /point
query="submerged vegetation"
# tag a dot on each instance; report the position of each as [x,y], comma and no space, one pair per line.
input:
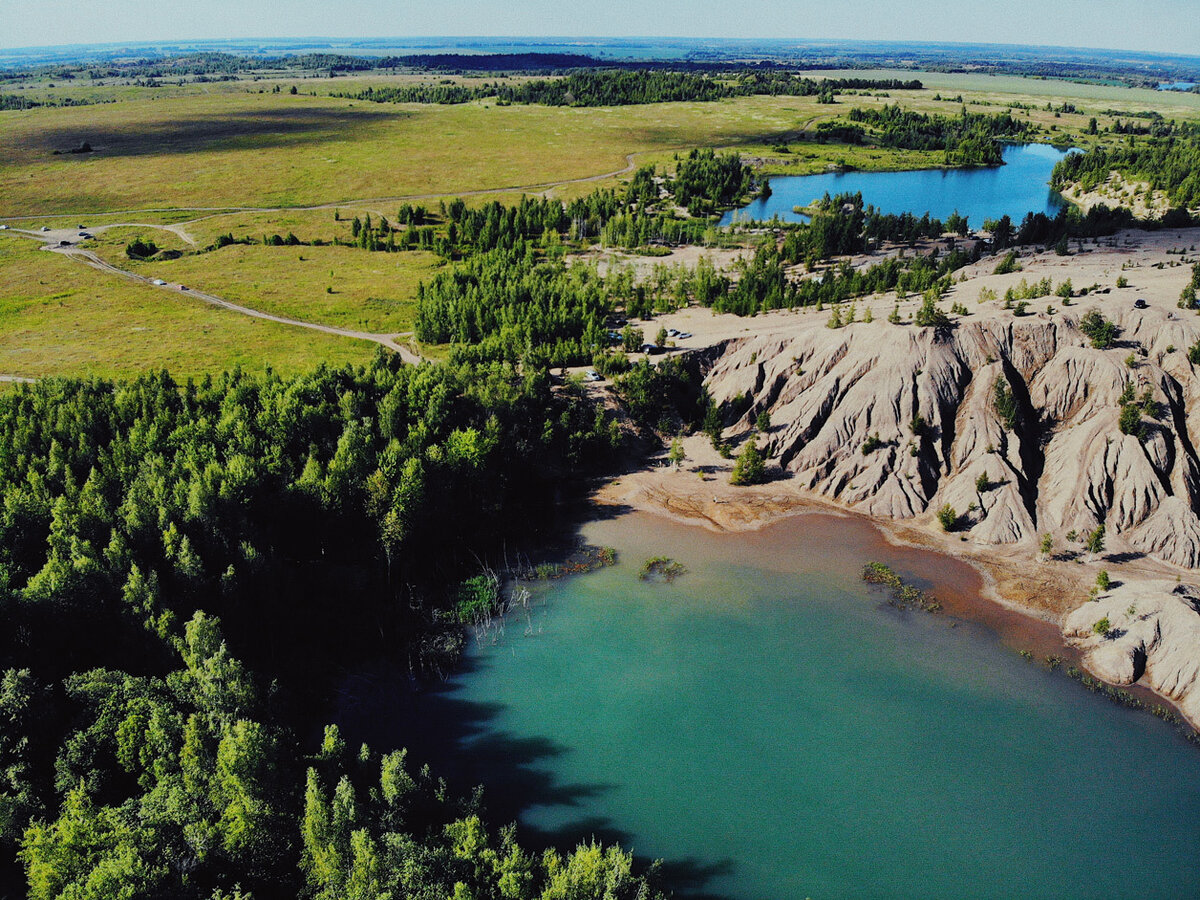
[661,568]
[900,594]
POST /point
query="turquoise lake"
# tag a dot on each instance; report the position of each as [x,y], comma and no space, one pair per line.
[1020,186]
[770,728]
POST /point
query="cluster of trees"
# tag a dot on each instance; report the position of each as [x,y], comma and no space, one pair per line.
[515,306]
[167,551]
[763,283]
[139,248]
[1171,165]
[842,224]
[706,181]
[622,87]
[634,218]
[969,139]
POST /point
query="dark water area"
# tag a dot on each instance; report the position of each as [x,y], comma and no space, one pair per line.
[1020,186]
[770,727]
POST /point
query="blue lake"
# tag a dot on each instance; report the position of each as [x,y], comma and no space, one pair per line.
[770,728]
[1020,186]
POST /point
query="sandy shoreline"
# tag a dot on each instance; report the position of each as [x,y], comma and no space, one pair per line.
[1013,576]
[1022,599]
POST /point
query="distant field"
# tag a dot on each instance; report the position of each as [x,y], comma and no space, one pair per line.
[58,317]
[278,150]
[230,148]
[213,147]
[1044,88]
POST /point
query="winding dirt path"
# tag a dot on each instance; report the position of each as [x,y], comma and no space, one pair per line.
[89,258]
[52,238]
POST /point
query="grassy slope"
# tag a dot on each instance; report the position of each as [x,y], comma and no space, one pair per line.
[59,317]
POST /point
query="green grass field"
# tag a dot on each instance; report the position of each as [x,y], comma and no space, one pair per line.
[59,317]
[220,158]
[371,291]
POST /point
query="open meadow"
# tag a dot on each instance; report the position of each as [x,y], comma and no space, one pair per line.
[238,159]
[58,317]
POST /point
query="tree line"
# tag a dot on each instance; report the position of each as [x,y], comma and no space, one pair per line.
[622,87]
[969,139]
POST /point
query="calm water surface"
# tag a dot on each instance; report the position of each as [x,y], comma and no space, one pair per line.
[1020,186]
[771,729]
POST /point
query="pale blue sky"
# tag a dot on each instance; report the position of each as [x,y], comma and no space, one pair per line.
[1156,25]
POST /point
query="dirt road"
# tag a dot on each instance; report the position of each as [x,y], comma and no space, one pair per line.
[54,238]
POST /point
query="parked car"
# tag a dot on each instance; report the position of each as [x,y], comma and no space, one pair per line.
[592,375]
[3,228]
[183,287]
[1139,303]
[158,281]
[684,334]
[672,332]
[45,228]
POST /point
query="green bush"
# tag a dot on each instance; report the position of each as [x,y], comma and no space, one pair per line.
[750,467]
[1098,329]
[1131,420]
[947,517]
[1008,264]
[929,314]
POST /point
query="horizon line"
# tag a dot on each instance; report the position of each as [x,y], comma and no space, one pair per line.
[576,39]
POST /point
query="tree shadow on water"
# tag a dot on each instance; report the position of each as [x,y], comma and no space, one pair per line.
[461,741]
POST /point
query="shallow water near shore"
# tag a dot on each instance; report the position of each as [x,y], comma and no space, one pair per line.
[771,728]
[1020,186]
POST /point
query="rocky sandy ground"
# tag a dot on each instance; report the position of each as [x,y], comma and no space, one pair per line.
[1064,466]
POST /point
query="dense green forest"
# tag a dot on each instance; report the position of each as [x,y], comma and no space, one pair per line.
[1170,164]
[620,87]
[185,568]
[970,139]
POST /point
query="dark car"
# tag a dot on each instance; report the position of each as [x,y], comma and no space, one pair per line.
[1139,303]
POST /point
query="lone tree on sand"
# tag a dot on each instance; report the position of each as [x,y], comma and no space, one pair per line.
[750,467]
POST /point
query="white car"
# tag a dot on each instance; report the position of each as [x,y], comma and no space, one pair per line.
[45,228]
[158,281]
[3,228]
[592,375]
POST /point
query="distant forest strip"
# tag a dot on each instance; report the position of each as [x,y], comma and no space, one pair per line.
[624,88]
[1139,70]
